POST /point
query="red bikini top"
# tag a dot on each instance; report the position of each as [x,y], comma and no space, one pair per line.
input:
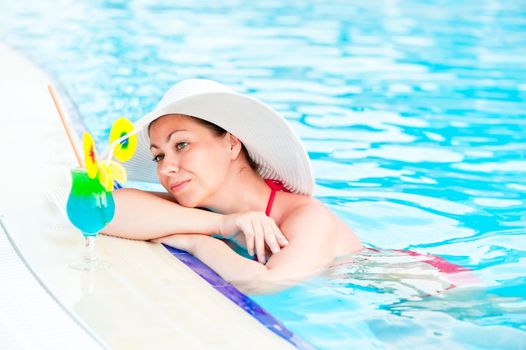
[275,185]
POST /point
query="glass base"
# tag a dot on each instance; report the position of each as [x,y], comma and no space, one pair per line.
[90,265]
[90,261]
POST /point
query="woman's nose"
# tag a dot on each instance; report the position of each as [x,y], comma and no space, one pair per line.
[170,165]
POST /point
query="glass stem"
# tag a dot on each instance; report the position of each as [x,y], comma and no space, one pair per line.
[90,255]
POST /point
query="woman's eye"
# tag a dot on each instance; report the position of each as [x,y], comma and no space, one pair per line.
[158,158]
[181,145]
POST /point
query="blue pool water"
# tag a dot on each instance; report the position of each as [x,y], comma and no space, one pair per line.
[414,113]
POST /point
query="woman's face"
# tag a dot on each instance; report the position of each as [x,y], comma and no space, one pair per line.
[192,161]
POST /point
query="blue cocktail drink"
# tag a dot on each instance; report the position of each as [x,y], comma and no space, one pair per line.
[90,208]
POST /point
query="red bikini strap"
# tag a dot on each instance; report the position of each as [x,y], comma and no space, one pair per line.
[275,185]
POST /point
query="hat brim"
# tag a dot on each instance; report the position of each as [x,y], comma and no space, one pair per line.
[269,140]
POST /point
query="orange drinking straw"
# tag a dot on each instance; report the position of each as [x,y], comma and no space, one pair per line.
[65,124]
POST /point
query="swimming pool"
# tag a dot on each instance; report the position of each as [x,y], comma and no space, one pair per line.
[413,113]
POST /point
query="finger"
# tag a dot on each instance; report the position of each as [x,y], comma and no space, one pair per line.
[249,240]
[282,240]
[270,239]
[259,238]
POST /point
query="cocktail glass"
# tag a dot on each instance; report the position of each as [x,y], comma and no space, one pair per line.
[90,208]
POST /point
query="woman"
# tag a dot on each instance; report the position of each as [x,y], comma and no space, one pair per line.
[226,152]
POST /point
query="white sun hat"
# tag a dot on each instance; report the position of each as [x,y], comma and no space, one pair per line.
[269,140]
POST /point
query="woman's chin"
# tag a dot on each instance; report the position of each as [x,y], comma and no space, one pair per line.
[187,201]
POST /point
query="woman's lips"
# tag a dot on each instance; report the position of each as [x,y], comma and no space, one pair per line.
[178,186]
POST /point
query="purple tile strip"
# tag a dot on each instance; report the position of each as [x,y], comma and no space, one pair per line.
[239,298]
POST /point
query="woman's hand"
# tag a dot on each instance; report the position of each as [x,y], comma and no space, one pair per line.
[257,229]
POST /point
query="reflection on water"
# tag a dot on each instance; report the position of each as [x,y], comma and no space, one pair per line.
[412,111]
[404,274]
[396,299]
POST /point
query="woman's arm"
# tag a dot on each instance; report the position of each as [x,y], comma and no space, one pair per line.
[145,215]
[309,251]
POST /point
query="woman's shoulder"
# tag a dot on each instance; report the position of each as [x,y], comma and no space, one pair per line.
[308,205]
[297,204]
[305,212]
[308,215]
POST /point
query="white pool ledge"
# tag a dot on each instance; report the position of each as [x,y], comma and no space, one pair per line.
[148,299]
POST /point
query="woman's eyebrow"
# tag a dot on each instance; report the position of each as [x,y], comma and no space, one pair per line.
[168,137]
